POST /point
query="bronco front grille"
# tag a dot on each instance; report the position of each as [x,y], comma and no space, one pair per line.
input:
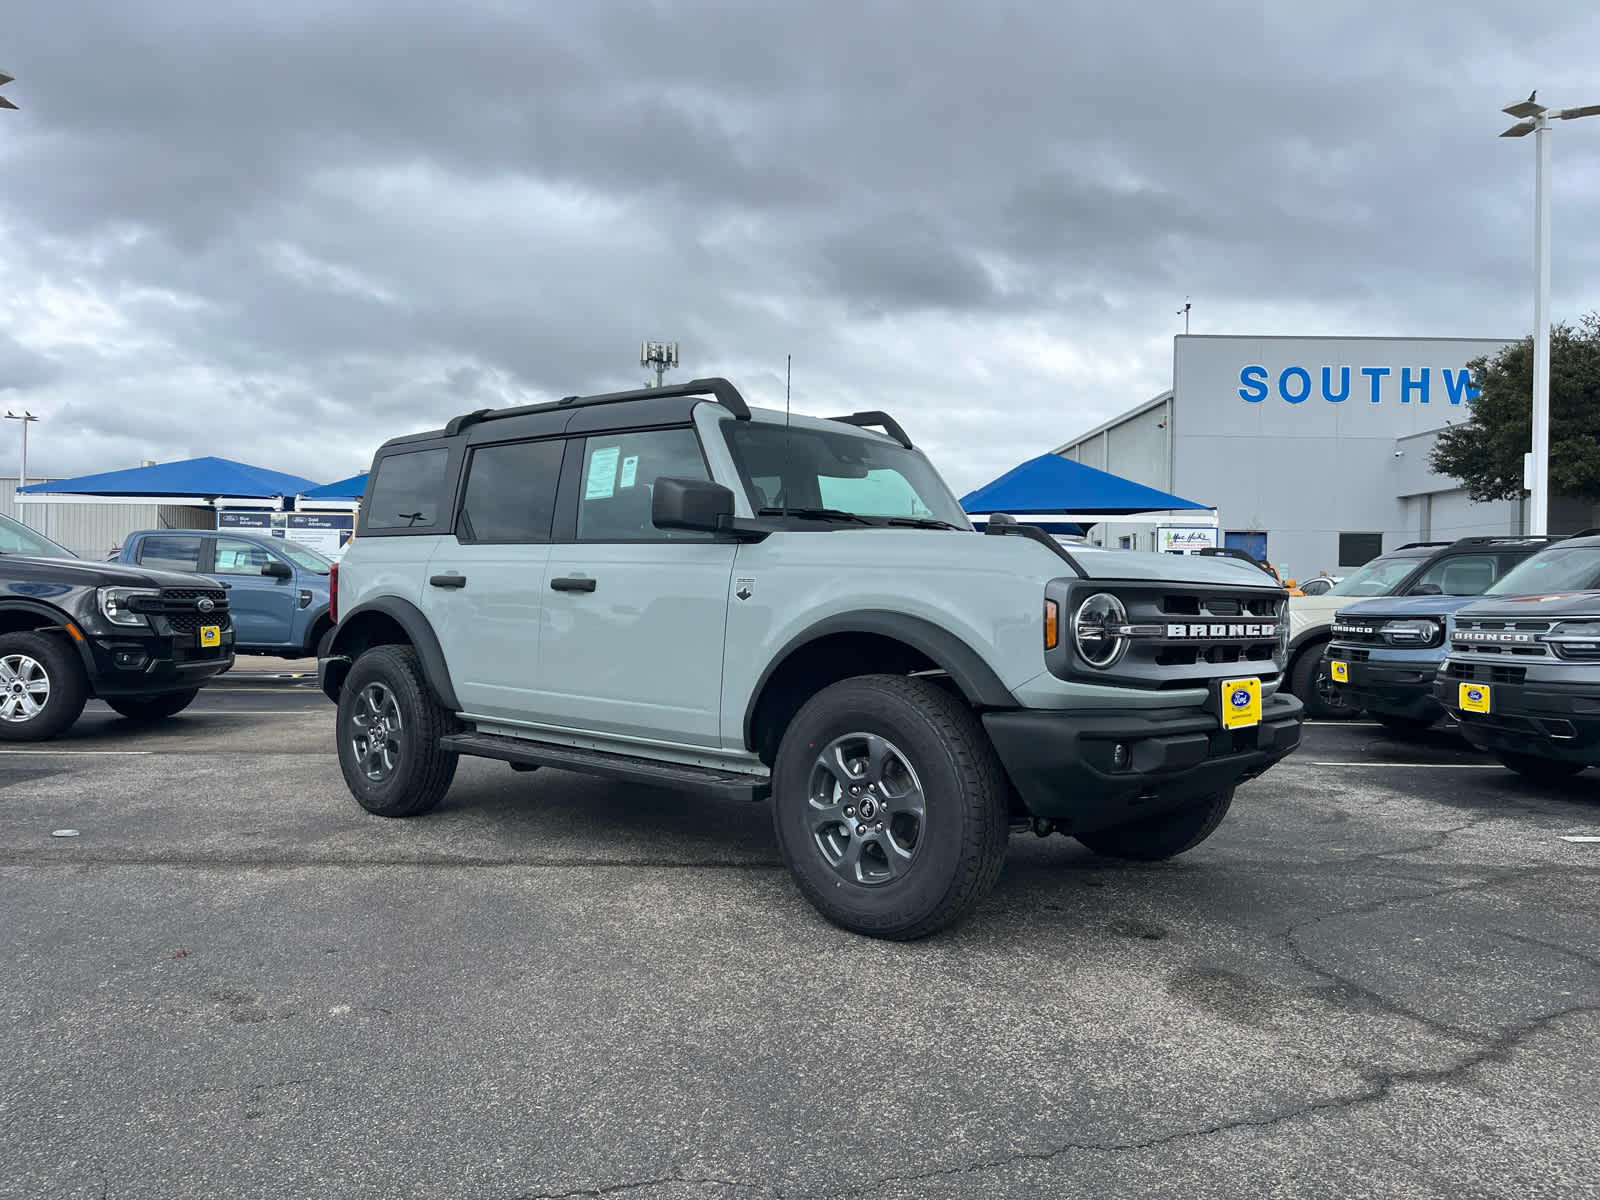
[1501,637]
[1180,637]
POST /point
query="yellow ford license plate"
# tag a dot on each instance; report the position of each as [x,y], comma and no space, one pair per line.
[1241,703]
[1339,672]
[211,635]
[1474,698]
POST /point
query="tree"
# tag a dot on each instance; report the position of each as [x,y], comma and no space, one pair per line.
[1485,453]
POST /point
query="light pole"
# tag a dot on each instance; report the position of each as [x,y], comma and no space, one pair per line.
[659,355]
[26,418]
[1533,117]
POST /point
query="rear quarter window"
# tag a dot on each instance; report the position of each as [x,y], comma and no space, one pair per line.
[408,491]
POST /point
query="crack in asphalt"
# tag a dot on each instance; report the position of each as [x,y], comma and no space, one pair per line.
[1382,1084]
[633,1185]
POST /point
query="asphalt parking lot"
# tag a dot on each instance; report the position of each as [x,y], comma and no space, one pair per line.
[1380,978]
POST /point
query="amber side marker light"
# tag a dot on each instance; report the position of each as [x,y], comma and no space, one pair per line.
[73,631]
[1052,624]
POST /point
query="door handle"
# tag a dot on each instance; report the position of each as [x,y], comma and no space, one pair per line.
[572,584]
[448,581]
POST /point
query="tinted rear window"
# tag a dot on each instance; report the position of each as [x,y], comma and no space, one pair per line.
[408,490]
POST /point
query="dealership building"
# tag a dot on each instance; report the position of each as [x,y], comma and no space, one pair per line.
[1313,451]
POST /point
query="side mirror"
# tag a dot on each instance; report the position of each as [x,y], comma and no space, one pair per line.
[277,569]
[690,504]
[1426,589]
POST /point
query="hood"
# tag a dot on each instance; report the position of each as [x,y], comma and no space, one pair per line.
[1555,606]
[1406,606]
[87,573]
[889,549]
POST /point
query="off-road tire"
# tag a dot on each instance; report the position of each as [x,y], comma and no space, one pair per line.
[1303,683]
[399,770]
[52,678]
[154,707]
[936,750]
[1163,836]
[1545,770]
[1404,726]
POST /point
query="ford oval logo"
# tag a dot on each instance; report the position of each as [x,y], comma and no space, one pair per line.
[205,604]
[1240,697]
[1474,694]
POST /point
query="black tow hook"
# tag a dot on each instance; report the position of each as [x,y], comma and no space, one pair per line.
[1043,827]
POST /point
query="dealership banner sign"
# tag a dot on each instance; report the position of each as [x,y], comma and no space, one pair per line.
[1186,539]
[326,533]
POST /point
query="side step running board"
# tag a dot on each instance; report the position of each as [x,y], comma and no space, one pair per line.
[624,767]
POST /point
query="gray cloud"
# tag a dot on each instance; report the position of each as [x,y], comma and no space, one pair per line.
[286,233]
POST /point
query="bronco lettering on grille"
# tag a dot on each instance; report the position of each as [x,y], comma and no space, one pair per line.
[1222,631]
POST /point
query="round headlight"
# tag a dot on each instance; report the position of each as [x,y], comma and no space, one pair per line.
[1422,632]
[1092,629]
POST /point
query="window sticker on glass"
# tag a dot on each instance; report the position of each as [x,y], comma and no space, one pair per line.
[602,481]
[630,468]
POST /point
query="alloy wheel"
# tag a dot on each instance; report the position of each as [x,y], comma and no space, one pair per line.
[867,809]
[378,729]
[24,688]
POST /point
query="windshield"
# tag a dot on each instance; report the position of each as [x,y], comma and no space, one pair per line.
[1378,578]
[303,556]
[1559,569]
[806,468]
[17,538]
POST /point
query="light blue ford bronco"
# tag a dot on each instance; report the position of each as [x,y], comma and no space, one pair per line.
[667,587]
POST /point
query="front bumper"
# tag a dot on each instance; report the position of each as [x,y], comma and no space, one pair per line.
[1400,688]
[1061,762]
[130,665]
[1547,718]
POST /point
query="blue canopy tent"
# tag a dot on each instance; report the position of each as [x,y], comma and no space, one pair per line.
[343,494]
[193,481]
[1051,484]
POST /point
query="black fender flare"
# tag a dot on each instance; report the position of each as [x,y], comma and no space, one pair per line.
[55,619]
[965,666]
[317,614]
[1321,633]
[418,631]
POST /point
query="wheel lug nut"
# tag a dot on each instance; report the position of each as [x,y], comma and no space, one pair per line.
[878,828]
[861,829]
[849,812]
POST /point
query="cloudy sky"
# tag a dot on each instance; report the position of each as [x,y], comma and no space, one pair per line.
[285,232]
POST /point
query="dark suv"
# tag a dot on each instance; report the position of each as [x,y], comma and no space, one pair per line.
[142,641]
[1464,567]
[1523,673]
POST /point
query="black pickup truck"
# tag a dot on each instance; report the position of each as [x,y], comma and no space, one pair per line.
[70,629]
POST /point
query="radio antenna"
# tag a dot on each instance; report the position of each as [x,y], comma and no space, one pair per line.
[788,370]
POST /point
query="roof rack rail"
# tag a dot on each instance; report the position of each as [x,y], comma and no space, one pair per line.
[724,393]
[1414,545]
[882,420]
[1490,539]
[1585,532]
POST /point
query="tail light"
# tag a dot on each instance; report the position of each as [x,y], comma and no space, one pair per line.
[333,592]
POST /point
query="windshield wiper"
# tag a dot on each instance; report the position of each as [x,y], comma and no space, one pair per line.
[922,523]
[816,514]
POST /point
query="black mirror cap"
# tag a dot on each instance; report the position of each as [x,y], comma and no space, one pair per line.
[278,570]
[690,504]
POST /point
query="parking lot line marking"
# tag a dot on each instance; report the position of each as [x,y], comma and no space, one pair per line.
[1350,724]
[1573,837]
[1430,766]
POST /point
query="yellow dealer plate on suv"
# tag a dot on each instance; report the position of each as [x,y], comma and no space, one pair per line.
[1338,671]
[1474,697]
[1241,703]
[211,635]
